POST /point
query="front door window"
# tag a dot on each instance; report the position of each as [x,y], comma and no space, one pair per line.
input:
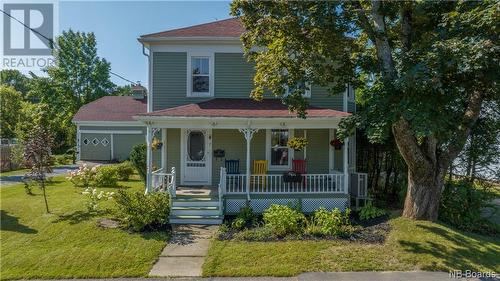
[196,146]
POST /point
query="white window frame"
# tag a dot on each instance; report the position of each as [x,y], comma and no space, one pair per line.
[306,94]
[268,151]
[190,57]
[351,96]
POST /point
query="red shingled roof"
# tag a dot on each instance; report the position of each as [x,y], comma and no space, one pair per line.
[111,108]
[223,28]
[243,108]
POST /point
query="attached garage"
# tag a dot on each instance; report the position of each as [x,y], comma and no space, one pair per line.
[106,129]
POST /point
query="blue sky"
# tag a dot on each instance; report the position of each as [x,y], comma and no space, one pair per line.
[118,24]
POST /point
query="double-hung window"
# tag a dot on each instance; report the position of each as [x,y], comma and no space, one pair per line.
[200,80]
[305,94]
[279,155]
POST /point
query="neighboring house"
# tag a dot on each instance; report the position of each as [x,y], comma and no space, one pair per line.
[199,117]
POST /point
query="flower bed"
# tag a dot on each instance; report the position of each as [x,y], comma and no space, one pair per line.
[284,223]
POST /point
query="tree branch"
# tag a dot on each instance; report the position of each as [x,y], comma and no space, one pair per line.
[384,50]
[469,118]
[408,146]
[406,28]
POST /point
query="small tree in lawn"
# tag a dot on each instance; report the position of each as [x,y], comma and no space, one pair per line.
[38,156]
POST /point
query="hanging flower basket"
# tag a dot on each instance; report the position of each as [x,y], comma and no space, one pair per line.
[297,143]
[336,143]
[157,144]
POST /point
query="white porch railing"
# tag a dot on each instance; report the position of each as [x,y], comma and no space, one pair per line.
[359,185]
[164,181]
[266,184]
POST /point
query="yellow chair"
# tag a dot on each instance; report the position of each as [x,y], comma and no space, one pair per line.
[259,168]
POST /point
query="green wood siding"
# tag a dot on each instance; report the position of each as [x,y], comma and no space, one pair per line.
[233,78]
[351,107]
[97,152]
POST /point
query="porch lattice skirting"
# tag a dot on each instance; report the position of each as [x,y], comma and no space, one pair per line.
[307,203]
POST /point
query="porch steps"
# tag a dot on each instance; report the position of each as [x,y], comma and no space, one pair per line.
[195,210]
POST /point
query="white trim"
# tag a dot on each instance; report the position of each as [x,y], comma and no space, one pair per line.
[331,151]
[123,132]
[112,146]
[150,82]
[241,123]
[345,165]
[344,99]
[211,63]
[78,143]
[164,150]
[199,48]
[183,152]
[109,123]
[268,151]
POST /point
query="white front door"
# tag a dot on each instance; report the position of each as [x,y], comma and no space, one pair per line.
[196,157]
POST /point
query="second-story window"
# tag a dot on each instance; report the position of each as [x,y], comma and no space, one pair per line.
[200,76]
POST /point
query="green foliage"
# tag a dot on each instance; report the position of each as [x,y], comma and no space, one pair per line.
[124,170]
[245,218]
[106,176]
[369,211]
[82,177]
[461,205]
[94,197]
[64,159]
[138,159]
[283,220]
[10,109]
[140,211]
[14,79]
[329,223]
[80,74]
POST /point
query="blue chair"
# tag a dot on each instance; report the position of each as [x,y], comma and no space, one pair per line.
[232,167]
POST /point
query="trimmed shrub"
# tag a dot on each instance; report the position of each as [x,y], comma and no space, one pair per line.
[124,170]
[369,211]
[283,220]
[106,176]
[329,223]
[138,159]
[460,205]
[245,219]
[139,211]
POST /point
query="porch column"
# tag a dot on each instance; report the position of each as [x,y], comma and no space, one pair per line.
[346,165]
[149,158]
[248,133]
[164,150]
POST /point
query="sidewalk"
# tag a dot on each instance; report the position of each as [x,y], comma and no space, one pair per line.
[185,253]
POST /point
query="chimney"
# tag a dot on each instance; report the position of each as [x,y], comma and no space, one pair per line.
[138,92]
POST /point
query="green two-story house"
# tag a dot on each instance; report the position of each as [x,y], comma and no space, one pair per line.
[216,150]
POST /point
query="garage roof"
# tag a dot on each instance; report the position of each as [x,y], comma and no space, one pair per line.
[111,108]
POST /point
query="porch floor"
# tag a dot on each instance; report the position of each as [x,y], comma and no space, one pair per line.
[204,191]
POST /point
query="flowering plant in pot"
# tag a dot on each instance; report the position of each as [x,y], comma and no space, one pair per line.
[157,144]
[336,143]
[297,143]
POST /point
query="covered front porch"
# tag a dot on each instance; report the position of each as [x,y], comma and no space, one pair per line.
[244,159]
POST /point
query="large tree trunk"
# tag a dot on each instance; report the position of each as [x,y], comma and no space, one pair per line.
[422,197]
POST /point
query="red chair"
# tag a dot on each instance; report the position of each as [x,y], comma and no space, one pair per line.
[300,166]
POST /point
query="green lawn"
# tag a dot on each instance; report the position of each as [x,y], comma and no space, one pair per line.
[13,173]
[68,243]
[410,246]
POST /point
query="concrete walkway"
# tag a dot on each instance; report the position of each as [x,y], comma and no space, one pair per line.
[185,253]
